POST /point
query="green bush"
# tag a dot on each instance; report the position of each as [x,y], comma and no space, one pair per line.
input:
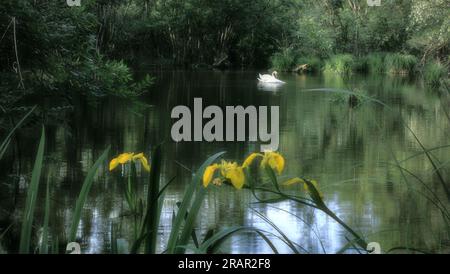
[341,63]
[284,60]
[375,62]
[397,63]
[116,79]
[361,64]
[434,73]
[314,63]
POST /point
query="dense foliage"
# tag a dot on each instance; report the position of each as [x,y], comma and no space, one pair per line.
[48,47]
[397,37]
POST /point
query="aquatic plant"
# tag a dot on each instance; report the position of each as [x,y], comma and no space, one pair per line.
[361,64]
[284,60]
[5,143]
[397,63]
[353,99]
[128,161]
[313,64]
[434,73]
[30,203]
[341,63]
[273,163]
[147,215]
[27,224]
[375,62]
[193,198]
[82,197]
[129,157]
[233,173]
[228,170]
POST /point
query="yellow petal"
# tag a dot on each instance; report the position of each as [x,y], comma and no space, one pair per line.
[143,160]
[113,164]
[209,173]
[292,181]
[250,159]
[236,176]
[125,157]
[274,160]
[138,156]
[226,166]
[144,163]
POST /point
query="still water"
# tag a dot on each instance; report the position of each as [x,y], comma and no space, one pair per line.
[350,151]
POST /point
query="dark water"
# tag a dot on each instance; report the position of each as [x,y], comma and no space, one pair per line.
[349,151]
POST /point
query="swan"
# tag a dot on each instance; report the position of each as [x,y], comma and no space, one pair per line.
[267,78]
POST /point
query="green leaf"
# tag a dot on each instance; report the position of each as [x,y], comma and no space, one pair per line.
[214,241]
[7,140]
[87,184]
[152,221]
[30,204]
[44,244]
[187,200]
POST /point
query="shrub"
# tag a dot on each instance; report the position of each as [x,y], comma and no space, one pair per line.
[397,63]
[434,73]
[314,63]
[341,63]
[361,64]
[102,77]
[375,62]
[284,60]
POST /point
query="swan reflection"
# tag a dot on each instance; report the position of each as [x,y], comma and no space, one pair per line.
[272,87]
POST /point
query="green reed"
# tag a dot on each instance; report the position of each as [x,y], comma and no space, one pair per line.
[30,203]
[5,143]
[28,223]
[82,197]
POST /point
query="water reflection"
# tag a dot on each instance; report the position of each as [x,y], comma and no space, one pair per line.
[344,149]
[272,87]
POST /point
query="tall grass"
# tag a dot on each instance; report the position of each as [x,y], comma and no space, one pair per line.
[193,197]
[154,202]
[274,194]
[284,60]
[314,64]
[81,200]
[7,140]
[213,241]
[341,63]
[43,249]
[375,62]
[30,203]
[434,73]
[397,63]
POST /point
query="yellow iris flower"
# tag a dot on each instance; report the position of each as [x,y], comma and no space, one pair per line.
[270,158]
[128,157]
[144,162]
[228,170]
[297,180]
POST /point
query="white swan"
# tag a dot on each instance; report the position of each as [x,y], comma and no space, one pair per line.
[267,78]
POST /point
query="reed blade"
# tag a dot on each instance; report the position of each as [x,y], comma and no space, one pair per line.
[30,203]
[82,197]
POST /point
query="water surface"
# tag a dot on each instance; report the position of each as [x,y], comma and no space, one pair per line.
[348,150]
